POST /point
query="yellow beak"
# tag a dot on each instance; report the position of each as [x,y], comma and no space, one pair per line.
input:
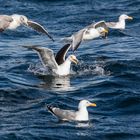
[105,31]
[130,18]
[75,61]
[92,104]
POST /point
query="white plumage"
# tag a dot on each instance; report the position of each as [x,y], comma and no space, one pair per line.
[120,24]
[80,115]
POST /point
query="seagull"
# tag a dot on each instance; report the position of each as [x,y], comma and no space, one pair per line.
[57,65]
[90,32]
[120,24]
[70,115]
[11,22]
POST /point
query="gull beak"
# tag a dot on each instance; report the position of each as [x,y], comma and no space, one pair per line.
[92,104]
[75,61]
[105,31]
[130,17]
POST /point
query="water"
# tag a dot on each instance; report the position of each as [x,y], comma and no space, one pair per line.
[108,73]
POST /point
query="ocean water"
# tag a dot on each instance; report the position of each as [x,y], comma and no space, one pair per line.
[108,73]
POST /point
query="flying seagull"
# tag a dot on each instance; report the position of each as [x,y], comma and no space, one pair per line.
[90,32]
[13,21]
[59,64]
[70,115]
[120,24]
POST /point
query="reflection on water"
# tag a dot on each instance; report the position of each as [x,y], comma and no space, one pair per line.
[83,124]
[63,83]
[56,83]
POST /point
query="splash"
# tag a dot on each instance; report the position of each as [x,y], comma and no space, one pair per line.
[83,68]
[38,69]
[90,69]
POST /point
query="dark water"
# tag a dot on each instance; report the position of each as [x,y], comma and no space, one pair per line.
[108,73]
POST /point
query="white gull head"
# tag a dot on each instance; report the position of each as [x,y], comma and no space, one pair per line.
[82,113]
[101,30]
[24,20]
[124,17]
[17,21]
[73,59]
[85,104]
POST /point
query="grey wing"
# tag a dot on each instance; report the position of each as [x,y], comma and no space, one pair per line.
[77,39]
[101,24]
[46,55]
[5,21]
[62,114]
[60,56]
[111,24]
[36,26]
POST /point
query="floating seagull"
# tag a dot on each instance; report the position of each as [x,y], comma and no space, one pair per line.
[80,115]
[57,65]
[90,32]
[120,24]
[13,21]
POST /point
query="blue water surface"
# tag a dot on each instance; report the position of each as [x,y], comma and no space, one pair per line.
[108,73]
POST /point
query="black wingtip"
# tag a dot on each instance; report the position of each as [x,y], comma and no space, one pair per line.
[50,108]
[72,49]
[53,40]
[50,37]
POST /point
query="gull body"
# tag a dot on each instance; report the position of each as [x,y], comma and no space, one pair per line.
[70,115]
[17,21]
[90,32]
[120,24]
[64,69]
[93,33]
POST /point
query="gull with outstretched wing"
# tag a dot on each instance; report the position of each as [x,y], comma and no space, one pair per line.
[13,21]
[90,32]
[59,64]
